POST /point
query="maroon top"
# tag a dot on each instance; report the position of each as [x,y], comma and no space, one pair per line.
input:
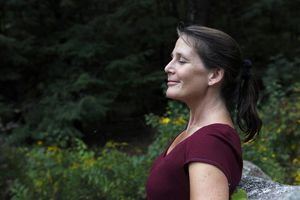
[215,144]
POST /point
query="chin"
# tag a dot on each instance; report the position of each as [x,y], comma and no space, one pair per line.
[172,95]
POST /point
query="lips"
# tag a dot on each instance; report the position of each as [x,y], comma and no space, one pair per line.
[172,82]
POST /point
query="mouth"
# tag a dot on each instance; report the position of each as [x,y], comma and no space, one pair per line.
[172,82]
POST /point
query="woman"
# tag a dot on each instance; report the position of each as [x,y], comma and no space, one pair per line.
[204,161]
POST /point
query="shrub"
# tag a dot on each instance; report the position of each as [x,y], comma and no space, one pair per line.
[277,149]
[49,172]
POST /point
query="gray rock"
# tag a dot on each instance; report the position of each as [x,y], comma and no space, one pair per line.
[293,195]
[262,189]
[259,186]
[250,169]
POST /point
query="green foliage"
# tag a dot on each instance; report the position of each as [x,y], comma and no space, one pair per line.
[278,143]
[282,71]
[49,172]
[240,194]
[71,66]
[263,28]
[20,191]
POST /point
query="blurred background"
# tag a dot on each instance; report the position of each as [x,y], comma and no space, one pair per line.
[82,105]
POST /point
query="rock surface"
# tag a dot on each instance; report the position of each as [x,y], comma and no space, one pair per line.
[250,169]
[259,186]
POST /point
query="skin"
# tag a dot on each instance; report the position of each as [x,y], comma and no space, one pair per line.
[199,88]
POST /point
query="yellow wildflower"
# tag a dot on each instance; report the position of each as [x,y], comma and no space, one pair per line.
[90,162]
[273,155]
[74,166]
[179,121]
[38,185]
[262,148]
[295,161]
[39,142]
[124,144]
[165,120]
[297,177]
[278,130]
[52,148]
[264,158]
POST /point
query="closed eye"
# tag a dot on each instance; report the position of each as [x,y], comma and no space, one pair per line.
[180,59]
[182,62]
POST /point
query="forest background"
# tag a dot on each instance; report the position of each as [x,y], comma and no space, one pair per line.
[82,106]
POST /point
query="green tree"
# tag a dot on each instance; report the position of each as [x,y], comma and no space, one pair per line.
[72,65]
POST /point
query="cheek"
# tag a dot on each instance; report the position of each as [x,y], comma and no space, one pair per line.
[196,77]
[196,83]
[196,86]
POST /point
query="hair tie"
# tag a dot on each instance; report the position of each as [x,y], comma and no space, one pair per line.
[246,66]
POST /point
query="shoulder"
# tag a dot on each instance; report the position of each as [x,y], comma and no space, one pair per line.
[219,141]
[214,140]
[217,133]
[217,145]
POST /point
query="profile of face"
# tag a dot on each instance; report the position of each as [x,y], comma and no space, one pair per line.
[188,79]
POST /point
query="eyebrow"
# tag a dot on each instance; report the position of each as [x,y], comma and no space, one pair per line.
[179,54]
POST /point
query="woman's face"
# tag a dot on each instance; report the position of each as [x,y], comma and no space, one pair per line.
[187,76]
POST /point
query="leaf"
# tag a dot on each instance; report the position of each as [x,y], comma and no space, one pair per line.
[240,194]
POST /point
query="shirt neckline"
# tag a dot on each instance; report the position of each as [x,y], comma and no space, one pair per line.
[180,143]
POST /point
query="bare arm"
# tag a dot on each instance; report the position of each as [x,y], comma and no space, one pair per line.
[207,182]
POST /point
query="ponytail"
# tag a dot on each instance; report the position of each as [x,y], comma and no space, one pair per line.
[247,116]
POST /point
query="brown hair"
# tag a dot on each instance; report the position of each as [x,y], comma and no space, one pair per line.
[239,87]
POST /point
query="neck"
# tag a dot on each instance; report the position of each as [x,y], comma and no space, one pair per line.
[207,111]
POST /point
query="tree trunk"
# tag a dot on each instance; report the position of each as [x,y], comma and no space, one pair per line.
[198,11]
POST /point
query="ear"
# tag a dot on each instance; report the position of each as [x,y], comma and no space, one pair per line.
[215,76]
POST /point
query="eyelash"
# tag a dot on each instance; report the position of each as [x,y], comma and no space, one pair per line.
[181,62]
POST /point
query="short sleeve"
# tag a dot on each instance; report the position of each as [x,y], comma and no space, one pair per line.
[220,148]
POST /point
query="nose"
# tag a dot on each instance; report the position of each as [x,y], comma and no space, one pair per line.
[169,67]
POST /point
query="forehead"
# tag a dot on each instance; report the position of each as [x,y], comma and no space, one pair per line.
[184,47]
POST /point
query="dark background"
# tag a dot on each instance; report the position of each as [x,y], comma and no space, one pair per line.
[92,69]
